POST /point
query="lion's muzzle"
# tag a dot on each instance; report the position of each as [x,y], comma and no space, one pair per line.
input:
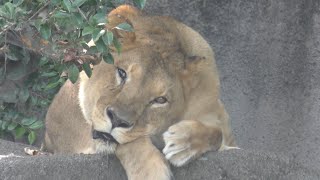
[116,121]
[106,137]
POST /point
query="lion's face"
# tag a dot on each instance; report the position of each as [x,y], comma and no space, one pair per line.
[150,84]
[140,95]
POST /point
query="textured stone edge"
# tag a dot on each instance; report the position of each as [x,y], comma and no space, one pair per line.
[233,164]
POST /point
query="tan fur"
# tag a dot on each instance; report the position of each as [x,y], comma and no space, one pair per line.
[162,57]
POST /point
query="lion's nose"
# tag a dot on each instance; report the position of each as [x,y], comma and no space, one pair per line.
[116,121]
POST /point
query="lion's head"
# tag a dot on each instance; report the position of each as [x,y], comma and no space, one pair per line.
[151,82]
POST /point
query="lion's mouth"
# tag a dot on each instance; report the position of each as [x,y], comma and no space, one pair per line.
[106,137]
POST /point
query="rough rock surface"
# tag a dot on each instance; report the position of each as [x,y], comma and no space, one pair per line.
[233,164]
[268,56]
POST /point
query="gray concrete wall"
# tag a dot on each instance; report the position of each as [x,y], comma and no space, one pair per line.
[268,55]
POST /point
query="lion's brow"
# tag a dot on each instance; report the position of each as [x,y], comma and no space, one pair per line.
[170,86]
[166,89]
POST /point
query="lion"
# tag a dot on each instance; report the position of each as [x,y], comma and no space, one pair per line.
[163,85]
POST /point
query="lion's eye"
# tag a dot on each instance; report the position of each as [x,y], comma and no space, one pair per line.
[122,73]
[160,100]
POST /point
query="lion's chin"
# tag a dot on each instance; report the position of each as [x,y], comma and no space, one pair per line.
[105,147]
[105,142]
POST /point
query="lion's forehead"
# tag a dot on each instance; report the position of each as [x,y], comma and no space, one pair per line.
[152,83]
[160,86]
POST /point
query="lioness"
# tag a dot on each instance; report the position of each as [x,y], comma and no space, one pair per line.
[164,82]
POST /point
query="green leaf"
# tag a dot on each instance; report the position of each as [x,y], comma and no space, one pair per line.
[17,2]
[55,2]
[31,137]
[52,85]
[61,15]
[24,95]
[34,100]
[36,125]
[87,30]
[62,80]
[97,33]
[10,96]
[38,23]
[73,73]
[108,38]
[10,9]
[4,125]
[43,61]
[99,18]
[49,74]
[28,121]
[12,126]
[117,45]
[101,46]
[14,53]
[44,103]
[78,3]
[2,21]
[124,27]
[18,54]
[67,5]
[139,3]
[18,72]
[45,31]
[11,115]
[78,19]
[108,58]
[19,132]
[2,76]
[26,56]
[92,50]
[87,69]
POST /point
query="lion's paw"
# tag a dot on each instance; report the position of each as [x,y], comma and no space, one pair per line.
[189,139]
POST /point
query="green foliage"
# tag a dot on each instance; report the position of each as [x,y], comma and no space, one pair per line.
[139,3]
[87,69]
[18,124]
[125,27]
[108,58]
[73,73]
[19,116]
[55,36]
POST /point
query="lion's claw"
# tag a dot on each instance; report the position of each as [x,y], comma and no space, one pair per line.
[188,139]
[178,145]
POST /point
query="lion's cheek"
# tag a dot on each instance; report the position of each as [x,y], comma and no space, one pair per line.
[101,122]
[123,136]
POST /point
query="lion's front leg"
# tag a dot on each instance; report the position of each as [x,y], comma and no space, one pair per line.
[142,160]
[189,139]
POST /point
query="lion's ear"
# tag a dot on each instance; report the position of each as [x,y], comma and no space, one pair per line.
[123,14]
[192,64]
